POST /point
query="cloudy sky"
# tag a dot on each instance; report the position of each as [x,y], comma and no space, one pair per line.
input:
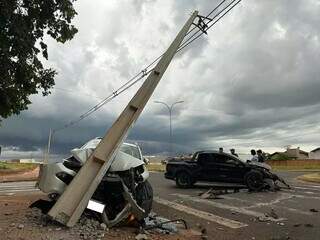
[252,82]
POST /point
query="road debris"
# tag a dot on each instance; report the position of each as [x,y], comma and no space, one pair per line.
[215,193]
[280,224]
[141,236]
[273,214]
[211,194]
[162,225]
[308,225]
[20,226]
[314,210]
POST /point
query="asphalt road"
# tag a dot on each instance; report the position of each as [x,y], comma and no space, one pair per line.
[244,215]
[238,215]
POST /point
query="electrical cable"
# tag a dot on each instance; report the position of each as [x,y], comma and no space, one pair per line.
[145,71]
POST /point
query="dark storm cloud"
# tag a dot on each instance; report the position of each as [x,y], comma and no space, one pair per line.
[252,82]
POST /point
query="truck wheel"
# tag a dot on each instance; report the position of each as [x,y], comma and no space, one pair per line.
[183,180]
[254,180]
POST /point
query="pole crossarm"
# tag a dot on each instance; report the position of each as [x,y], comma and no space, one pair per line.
[70,205]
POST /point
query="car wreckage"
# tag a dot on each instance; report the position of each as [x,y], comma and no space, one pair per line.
[123,191]
[214,166]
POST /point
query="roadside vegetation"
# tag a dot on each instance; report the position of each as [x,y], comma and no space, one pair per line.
[16,167]
[154,167]
[307,167]
[314,177]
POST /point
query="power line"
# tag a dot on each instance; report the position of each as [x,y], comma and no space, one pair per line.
[145,71]
[214,22]
[104,101]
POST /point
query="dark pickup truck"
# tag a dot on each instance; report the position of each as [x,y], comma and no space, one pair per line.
[213,166]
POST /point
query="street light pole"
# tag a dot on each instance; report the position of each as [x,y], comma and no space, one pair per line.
[170,118]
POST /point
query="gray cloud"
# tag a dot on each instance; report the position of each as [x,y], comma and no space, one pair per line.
[252,82]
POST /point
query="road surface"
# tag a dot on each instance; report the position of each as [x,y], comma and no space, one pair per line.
[245,215]
[240,215]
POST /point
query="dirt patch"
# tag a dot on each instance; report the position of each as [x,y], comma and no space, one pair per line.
[156,167]
[18,221]
[30,175]
[314,177]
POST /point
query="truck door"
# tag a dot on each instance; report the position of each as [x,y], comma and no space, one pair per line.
[209,169]
[229,169]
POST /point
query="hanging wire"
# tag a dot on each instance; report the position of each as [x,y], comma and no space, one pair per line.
[139,76]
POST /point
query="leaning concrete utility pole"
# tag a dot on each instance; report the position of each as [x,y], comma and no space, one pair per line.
[71,204]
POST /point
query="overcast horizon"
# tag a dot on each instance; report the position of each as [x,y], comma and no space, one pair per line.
[252,82]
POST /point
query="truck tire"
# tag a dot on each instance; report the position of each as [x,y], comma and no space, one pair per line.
[254,180]
[183,179]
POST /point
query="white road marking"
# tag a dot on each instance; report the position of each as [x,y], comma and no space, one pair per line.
[253,204]
[12,187]
[306,188]
[204,215]
[241,210]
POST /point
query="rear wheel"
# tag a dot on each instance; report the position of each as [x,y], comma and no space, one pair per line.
[183,180]
[254,180]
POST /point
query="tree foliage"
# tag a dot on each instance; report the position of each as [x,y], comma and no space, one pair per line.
[23,26]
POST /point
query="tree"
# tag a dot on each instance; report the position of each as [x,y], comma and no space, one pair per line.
[23,25]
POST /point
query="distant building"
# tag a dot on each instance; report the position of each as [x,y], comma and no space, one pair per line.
[290,154]
[31,160]
[315,153]
[296,153]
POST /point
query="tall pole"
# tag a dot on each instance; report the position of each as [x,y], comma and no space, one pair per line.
[70,205]
[170,120]
[46,159]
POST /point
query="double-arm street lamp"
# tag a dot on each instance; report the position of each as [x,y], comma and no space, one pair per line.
[170,118]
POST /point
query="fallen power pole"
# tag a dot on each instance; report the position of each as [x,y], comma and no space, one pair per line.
[71,204]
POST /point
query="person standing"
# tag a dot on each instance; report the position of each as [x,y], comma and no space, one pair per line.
[254,155]
[233,152]
[220,150]
[260,156]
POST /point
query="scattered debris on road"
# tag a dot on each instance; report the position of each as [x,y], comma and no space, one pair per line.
[17,221]
[163,225]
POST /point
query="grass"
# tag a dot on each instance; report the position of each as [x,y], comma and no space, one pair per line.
[6,167]
[307,167]
[314,177]
[156,167]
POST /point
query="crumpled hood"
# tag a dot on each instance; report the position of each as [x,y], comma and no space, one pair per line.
[121,162]
[259,164]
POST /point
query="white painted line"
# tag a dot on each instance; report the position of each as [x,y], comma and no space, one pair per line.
[308,189]
[20,190]
[274,206]
[200,214]
[241,210]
